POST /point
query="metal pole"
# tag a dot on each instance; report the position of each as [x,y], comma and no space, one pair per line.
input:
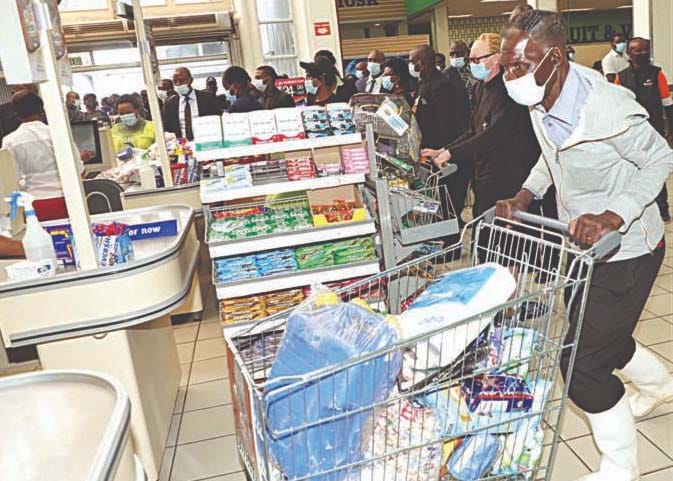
[148,61]
[67,155]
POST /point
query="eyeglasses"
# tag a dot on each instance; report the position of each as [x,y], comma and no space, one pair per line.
[476,60]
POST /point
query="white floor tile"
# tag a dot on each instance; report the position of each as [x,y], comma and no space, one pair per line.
[209,370]
[185,333]
[180,400]
[660,432]
[567,466]
[575,423]
[215,457]
[206,424]
[231,477]
[654,331]
[209,330]
[649,457]
[185,352]
[660,305]
[173,430]
[209,349]
[665,352]
[208,394]
[184,373]
[665,475]
[166,464]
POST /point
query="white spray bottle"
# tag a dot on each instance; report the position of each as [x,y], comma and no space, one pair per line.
[37,242]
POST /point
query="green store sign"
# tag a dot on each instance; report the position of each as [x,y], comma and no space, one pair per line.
[415,6]
[588,27]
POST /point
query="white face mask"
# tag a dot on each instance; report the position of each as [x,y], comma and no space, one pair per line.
[374,68]
[359,74]
[525,90]
[458,62]
[162,95]
[183,89]
[413,72]
[259,84]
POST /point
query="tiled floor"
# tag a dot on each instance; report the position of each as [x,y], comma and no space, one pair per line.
[202,440]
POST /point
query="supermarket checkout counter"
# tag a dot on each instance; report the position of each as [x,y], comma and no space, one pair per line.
[115,320]
[66,425]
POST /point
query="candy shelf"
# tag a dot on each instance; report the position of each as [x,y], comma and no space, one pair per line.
[277,147]
[211,196]
[228,290]
[290,239]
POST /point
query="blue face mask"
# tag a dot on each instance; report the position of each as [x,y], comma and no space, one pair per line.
[479,71]
[458,62]
[620,47]
[387,83]
[231,98]
[311,89]
[374,68]
[129,119]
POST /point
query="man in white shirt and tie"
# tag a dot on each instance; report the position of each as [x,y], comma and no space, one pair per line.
[187,105]
[371,84]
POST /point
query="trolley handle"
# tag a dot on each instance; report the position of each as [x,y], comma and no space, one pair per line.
[605,246]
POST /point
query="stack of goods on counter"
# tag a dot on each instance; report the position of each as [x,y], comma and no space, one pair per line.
[259,220]
[285,261]
[300,167]
[340,119]
[354,159]
[462,401]
[229,177]
[253,308]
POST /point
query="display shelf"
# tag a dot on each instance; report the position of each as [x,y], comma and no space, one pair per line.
[343,230]
[228,290]
[277,188]
[277,147]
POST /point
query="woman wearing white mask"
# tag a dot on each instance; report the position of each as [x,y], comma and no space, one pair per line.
[320,82]
[272,97]
[501,141]
[396,79]
[132,130]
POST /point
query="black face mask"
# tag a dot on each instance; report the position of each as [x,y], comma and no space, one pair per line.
[642,59]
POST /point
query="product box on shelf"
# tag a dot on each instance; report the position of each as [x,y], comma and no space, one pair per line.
[316,122]
[263,127]
[236,130]
[289,124]
[327,161]
[336,205]
[300,166]
[208,132]
[340,117]
[355,159]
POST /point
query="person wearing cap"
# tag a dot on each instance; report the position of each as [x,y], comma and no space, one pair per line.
[320,82]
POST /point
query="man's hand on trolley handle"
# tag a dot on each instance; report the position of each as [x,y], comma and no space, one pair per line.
[585,230]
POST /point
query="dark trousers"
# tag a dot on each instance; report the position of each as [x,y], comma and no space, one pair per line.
[662,203]
[618,292]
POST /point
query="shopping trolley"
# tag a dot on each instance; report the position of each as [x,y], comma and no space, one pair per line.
[428,429]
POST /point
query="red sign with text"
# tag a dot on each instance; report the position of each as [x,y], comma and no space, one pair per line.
[322,29]
[295,87]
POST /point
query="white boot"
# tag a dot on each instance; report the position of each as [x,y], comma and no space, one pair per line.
[654,383]
[615,435]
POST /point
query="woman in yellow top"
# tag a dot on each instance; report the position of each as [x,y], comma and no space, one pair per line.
[132,130]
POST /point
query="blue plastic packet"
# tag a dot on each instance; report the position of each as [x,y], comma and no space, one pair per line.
[474,458]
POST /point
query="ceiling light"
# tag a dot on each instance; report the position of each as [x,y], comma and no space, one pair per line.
[507,13]
[625,6]
[464,15]
[377,24]
[494,1]
[578,9]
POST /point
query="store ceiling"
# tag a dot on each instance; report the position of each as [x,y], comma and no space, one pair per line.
[491,8]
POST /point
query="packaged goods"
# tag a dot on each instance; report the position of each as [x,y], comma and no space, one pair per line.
[263,126]
[113,243]
[340,117]
[207,132]
[446,302]
[403,425]
[316,122]
[320,335]
[355,159]
[289,124]
[474,458]
[236,130]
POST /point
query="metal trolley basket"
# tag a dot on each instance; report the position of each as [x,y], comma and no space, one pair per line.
[409,435]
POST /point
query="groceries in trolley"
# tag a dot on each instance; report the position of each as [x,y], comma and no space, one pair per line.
[446,390]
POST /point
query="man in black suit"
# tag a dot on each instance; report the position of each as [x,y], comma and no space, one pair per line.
[179,110]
